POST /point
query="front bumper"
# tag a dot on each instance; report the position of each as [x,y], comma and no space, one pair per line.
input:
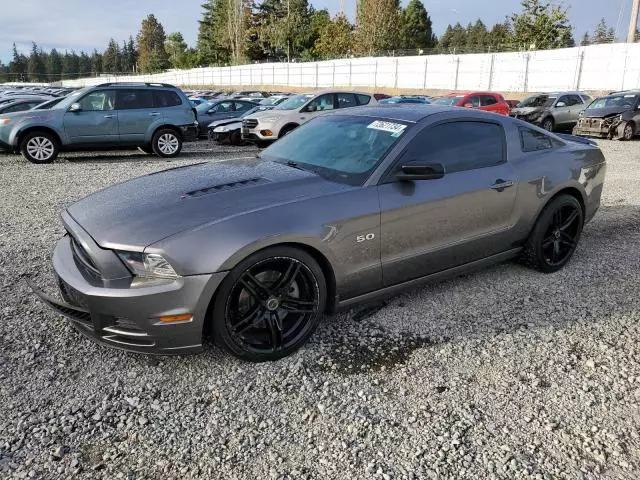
[600,127]
[259,133]
[189,132]
[128,317]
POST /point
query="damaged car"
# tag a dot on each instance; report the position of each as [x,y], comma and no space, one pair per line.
[552,111]
[615,116]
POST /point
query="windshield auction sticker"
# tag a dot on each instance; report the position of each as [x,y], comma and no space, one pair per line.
[395,128]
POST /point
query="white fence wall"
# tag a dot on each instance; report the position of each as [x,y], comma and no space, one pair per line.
[596,67]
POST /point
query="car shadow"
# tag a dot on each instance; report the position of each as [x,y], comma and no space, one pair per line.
[601,281]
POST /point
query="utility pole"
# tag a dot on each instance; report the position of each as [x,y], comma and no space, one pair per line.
[633,23]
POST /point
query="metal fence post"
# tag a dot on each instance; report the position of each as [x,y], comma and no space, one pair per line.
[273,74]
[426,66]
[375,75]
[317,76]
[350,79]
[457,73]
[395,80]
[526,73]
[493,58]
[579,68]
[333,75]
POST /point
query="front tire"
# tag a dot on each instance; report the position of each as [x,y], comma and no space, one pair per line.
[269,304]
[166,143]
[39,147]
[548,124]
[628,132]
[555,236]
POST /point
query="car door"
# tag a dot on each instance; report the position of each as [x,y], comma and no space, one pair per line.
[576,105]
[242,107]
[490,103]
[432,225]
[219,111]
[136,114]
[96,120]
[562,111]
[346,100]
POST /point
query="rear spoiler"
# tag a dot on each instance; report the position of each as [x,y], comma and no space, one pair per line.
[576,139]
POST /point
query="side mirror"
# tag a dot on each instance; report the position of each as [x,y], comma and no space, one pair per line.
[311,108]
[468,105]
[560,104]
[416,171]
[75,107]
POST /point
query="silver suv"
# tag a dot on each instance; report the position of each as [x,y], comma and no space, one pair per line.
[268,126]
[552,111]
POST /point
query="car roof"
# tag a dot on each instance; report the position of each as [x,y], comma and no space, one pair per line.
[408,113]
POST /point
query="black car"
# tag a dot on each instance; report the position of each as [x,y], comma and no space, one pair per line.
[614,116]
[219,110]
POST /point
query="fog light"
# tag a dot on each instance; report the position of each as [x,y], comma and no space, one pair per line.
[186,317]
[266,133]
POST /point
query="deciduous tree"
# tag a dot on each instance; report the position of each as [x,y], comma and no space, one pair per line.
[542,25]
[377,26]
[335,39]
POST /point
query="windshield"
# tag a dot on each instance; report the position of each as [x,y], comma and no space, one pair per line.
[294,102]
[48,105]
[340,148]
[614,101]
[537,101]
[448,101]
[69,99]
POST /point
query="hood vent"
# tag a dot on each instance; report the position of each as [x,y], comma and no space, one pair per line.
[250,182]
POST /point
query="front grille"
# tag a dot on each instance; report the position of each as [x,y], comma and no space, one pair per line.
[249,123]
[71,295]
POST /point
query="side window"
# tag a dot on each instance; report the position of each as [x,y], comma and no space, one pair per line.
[459,146]
[346,100]
[487,100]
[133,99]
[165,99]
[574,100]
[21,107]
[224,107]
[242,107]
[475,101]
[322,103]
[363,99]
[97,101]
[564,99]
[532,141]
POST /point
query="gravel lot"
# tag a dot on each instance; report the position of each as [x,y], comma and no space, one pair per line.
[507,373]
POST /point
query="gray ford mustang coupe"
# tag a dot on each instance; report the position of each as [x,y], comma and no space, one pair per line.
[346,208]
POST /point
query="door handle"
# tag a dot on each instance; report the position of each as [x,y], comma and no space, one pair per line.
[109,116]
[502,185]
[154,114]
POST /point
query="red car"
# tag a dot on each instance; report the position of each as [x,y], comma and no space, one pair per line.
[489,101]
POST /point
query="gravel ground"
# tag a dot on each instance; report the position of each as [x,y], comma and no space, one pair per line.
[507,373]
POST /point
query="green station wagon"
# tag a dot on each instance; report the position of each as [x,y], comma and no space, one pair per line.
[157,118]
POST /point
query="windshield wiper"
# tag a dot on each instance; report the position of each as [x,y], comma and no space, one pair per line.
[292,164]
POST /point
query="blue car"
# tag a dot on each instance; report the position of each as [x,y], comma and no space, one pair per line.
[157,118]
[405,99]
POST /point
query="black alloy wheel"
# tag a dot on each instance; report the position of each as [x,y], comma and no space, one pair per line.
[555,236]
[269,305]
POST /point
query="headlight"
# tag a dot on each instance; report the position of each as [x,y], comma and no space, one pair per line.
[221,129]
[147,265]
[4,121]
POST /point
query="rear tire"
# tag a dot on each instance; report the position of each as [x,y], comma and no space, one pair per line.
[166,143]
[269,304]
[39,147]
[555,236]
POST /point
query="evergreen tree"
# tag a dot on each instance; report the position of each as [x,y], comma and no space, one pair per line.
[54,68]
[603,34]
[336,38]
[500,38]
[112,58]
[18,66]
[176,48]
[477,37]
[84,64]
[152,56]
[542,26]
[586,40]
[36,69]
[212,33]
[416,31]
[288,27]
[377,25]
[454,38]
[96,63]
[70,65]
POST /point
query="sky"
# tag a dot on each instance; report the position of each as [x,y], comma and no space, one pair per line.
[85,25]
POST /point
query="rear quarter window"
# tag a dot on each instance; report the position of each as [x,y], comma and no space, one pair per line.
[363,99]
[166,99]
[534,141]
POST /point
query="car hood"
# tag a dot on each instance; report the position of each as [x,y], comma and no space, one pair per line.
[226,121]
[526,110]
[604,112]
[30,114]
[137,213]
